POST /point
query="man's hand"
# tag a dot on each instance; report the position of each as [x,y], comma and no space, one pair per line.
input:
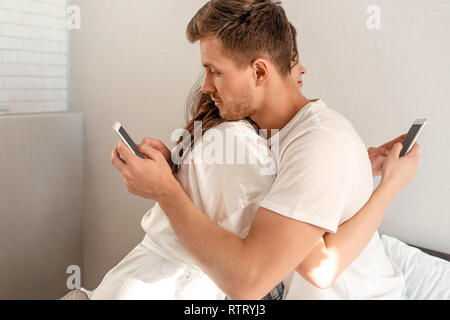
[158,145]
[378,155]
[147,178]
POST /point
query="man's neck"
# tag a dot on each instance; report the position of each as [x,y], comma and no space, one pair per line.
[279,109]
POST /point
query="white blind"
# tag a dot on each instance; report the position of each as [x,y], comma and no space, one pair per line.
[34,57]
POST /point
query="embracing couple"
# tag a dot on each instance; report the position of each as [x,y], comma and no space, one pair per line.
[226,231]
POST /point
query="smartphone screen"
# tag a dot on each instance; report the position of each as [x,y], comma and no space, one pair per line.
[130,142]
[410,138]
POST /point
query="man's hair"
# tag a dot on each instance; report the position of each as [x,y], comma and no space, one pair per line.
[247,29]
[200,107]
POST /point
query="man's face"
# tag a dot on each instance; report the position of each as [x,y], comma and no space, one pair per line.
[231,89]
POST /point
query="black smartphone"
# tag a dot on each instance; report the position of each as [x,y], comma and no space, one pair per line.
[127,140]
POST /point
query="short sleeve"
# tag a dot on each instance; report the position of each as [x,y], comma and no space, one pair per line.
[227,176]
[316,178]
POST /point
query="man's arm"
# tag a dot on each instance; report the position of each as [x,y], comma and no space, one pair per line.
[243,268]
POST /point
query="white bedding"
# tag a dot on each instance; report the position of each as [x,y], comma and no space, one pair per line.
[427,277]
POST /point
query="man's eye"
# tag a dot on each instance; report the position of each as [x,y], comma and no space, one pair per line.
[213,72]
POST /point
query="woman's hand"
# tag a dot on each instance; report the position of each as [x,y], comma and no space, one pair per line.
[336,251]
[378,155]
[398,172]
[158,145]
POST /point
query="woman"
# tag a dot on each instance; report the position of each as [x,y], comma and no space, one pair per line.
[160,268]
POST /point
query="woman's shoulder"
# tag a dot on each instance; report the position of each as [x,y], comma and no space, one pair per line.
[233,143]
[239,130]
[239,125]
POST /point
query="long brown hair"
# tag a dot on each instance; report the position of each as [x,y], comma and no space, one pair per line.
[200,107]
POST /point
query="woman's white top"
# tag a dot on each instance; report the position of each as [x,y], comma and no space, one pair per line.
[230,174]
[226,176]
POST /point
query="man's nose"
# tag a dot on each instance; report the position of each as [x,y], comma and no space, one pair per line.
[208,86]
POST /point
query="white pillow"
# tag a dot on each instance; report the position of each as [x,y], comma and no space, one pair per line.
[427,277]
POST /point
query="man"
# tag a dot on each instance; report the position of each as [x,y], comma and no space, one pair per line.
[324,174]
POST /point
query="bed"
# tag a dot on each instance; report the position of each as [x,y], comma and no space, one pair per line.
[427,272]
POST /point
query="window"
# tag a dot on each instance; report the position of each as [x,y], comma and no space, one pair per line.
[34,56]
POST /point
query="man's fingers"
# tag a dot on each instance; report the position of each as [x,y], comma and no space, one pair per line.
[150,152]
[116,161]
[152,142]
[125,152]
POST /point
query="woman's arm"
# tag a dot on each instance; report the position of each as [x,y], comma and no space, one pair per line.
[335,252]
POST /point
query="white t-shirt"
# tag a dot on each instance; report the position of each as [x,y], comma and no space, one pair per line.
[225,188]
[226,176]
[324,178]
[230,194]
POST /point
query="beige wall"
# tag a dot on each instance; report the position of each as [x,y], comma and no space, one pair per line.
[41,203]
[132,63]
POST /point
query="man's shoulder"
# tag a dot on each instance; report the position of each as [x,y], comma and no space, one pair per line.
[324,146]
[320,138]
[323,127]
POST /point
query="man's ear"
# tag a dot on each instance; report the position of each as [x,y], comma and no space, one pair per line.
[261,71]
